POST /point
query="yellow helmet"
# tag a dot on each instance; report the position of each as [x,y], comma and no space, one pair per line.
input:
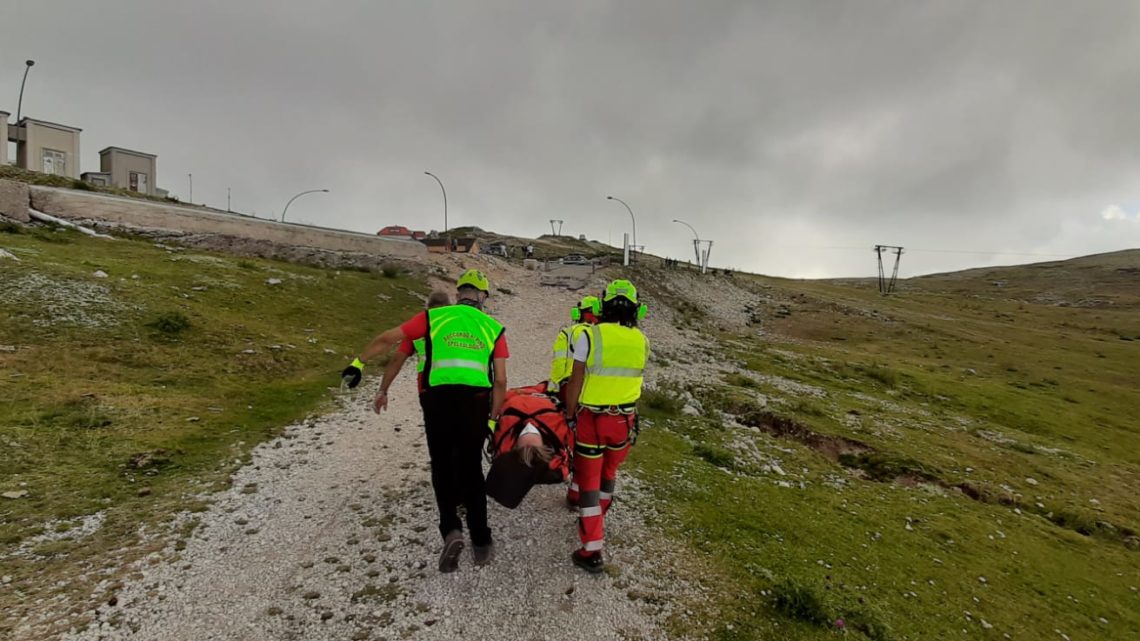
[587,304]
[622,288]
[474,278]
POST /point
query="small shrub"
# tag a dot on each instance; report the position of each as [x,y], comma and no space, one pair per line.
[881,373]
[170,324]
[246,264]
[869,624]
[806,408]
[741,380]
[800,602]
[82,185]
[883,467]
[662,399]
[10,228]
[716,455]
[390,270]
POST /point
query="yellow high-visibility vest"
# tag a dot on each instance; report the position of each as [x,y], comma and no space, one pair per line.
[421,356]
[615,366]
[562,363]
[460,342]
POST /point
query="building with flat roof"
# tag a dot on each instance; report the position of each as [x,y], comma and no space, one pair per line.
[4,137]
[129,169]
[46,147]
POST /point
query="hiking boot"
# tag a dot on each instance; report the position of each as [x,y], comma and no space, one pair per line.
[452,546]
[483,554]
[589,561]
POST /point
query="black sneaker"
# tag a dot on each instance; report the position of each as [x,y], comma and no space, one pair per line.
[483,554]
[589,561]
[452,546]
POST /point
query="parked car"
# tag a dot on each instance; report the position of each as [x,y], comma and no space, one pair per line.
[575,259]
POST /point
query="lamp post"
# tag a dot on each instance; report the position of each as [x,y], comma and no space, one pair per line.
[191,177]
[630,217]
[696,240]
[441,188]
[20,102]
[310,191]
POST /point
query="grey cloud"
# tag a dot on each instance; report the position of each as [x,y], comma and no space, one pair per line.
[956,125]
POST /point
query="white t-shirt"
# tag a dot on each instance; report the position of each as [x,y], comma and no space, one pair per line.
[582,347]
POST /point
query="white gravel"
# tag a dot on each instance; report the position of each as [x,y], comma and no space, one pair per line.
[330,533]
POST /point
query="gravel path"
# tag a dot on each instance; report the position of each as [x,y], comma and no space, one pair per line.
[330,534]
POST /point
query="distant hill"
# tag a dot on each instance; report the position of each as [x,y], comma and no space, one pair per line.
[1099,280]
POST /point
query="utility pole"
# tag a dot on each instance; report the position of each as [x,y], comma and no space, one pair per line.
[191,177]
[556,233]
[887,286]
[228,199]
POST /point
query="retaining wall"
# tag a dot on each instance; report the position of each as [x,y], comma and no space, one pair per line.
[130,212]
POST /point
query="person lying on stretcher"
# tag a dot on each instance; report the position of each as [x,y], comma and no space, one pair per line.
[531,444]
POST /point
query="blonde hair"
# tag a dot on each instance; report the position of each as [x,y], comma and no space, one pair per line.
[531,455]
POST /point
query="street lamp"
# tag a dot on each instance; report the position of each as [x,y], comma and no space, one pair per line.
[630,217]
[20,102]
[696,240]
[444,202]
[191,177]
[311,191]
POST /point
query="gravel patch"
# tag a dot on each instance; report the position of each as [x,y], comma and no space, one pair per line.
[337,537]
[61,301]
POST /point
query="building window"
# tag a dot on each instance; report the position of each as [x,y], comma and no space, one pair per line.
[54,162]
[139,182]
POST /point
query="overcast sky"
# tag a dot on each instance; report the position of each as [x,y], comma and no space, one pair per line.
[794,134]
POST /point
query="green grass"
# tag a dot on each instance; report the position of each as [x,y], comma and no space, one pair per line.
[904,478]
[162,376]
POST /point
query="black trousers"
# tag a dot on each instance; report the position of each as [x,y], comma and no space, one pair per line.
[455,419]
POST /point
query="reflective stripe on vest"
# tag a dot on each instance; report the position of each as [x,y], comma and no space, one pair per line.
[562,361]
[421,356]
[614,366]
[460,342]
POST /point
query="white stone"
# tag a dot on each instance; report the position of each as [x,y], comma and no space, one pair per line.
[100,274]
[273,281]
[1030,480]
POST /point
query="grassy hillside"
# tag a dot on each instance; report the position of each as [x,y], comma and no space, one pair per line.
[127,395]
[958,460]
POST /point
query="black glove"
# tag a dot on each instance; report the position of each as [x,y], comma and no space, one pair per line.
[353,373]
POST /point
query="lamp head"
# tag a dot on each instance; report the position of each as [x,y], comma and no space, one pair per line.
[29,62]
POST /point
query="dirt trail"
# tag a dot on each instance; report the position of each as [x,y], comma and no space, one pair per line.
[330,534]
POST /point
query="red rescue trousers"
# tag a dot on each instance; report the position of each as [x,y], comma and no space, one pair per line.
[602,443]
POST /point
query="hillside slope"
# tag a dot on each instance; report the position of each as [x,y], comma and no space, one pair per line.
[961,456]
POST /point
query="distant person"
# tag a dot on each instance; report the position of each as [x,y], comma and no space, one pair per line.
[530,251]
[609,365]
[465,381]
[405,350]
